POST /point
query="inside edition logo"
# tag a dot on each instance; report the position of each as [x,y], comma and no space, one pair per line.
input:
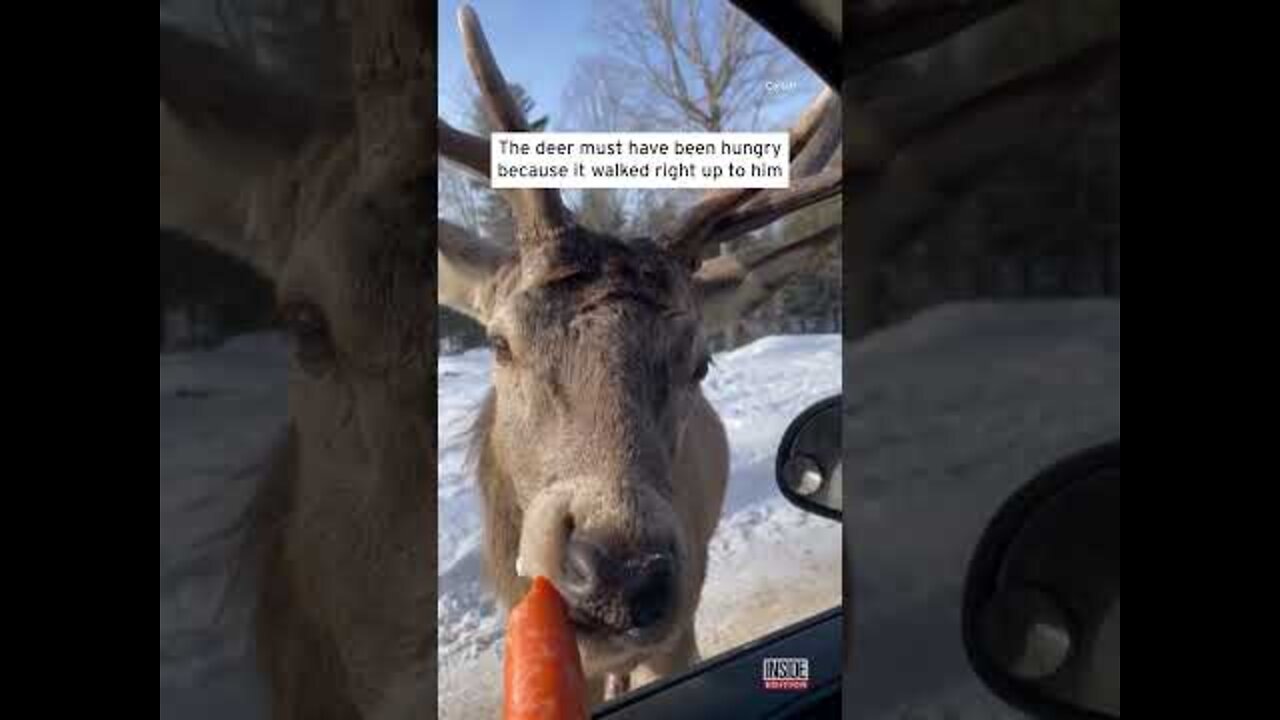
[785,674]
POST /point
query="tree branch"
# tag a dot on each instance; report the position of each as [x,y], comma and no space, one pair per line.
[394,84]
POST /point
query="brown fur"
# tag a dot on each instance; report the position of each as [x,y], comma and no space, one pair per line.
[607,336]
[328,201]
[502,517]
[300,662]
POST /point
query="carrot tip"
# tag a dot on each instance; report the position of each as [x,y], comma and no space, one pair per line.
[542,673]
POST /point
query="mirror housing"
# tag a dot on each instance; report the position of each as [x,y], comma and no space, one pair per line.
[810,461]
[1041,615]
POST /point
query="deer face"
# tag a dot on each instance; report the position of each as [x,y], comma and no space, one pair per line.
[353,295]
[597,365]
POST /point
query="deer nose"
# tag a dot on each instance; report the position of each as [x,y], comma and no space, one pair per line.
[618,592]
[649,590]
[580,576]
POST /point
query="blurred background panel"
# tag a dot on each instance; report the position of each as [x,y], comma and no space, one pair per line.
[982,306]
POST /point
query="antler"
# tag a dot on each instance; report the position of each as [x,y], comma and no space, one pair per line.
[721,215]
[469,151]
[539,212]
[815,176]
[394,88]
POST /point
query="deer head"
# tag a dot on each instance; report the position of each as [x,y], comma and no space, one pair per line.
[591,435]
[330,199]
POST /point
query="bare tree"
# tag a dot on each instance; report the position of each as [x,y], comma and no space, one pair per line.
[598,97]
[676,65]
[458,199]
[596,100]
[690,65]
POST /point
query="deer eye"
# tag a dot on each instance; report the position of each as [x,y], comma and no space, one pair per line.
[309,332]
[501,348]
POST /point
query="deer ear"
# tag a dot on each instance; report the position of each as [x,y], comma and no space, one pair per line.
[225,130]
[465,266]
[731,286]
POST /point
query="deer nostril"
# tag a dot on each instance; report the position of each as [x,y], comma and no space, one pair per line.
[650,590]
[617,593]
[580,575]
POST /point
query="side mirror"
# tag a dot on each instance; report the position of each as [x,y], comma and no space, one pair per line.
[1041,616]
[810,460]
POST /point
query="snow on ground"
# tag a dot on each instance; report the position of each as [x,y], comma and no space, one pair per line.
[219,412]
[945,416]
[763,550]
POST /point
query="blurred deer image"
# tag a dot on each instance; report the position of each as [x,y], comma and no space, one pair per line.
[327,195]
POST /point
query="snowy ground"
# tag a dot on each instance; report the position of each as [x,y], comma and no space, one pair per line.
[764,551]
[218,414]
[945,415]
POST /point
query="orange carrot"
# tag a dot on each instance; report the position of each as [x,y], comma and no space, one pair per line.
[542,672]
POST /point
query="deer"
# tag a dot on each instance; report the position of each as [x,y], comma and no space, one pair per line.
[328,196]
[600,463]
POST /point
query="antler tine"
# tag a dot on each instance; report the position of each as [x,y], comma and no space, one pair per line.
[769,207]
[393,86]
[469,151]
[700,224]
[819,144]
[817,174]
[540,215]
[811,120]
[500,106]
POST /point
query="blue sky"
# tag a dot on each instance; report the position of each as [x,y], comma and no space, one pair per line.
[536,44]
